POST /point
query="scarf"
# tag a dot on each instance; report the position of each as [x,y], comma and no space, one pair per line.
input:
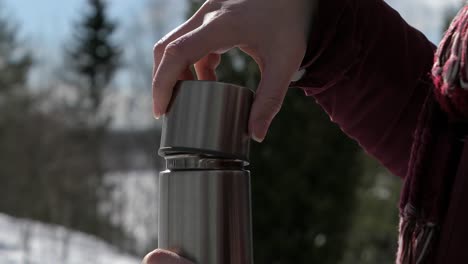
[424,193]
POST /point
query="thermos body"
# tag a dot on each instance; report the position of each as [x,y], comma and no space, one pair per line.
[204,193]
[205,215]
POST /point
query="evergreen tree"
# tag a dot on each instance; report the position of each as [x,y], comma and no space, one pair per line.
[303,185]
[15,62]
[15,105]
[93,60]
[373,235]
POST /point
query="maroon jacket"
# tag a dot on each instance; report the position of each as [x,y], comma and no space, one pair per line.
[370,71]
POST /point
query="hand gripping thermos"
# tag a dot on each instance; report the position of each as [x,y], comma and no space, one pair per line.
[204,193]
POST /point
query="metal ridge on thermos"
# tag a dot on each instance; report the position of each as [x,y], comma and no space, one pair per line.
[204,193]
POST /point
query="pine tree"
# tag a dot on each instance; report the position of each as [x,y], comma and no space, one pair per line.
[15,105]
[93,59]
[15,61]
[373,236]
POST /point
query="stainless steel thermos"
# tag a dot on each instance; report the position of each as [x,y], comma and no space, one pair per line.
[204,193]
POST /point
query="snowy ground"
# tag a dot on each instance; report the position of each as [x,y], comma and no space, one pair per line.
[134,205]
[25,241]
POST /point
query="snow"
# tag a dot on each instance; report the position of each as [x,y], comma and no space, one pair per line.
[26,241]
[134,205]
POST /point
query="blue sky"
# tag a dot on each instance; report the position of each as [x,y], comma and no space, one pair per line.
[425,15]
[49,21]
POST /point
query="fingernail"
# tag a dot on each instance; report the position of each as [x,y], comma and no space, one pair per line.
[258,139]
[156,112]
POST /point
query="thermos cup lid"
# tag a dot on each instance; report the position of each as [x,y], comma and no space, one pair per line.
[207,118]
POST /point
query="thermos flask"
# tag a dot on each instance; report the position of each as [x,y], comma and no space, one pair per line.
[204,193]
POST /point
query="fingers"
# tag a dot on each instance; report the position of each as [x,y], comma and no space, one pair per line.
[187,75]
[183,52]
[160,256]
[194,22]
[206,67]
[269,98]
[159,48]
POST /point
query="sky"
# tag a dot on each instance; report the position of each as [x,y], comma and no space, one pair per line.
[53,19]
[50,21]
[46,26]
[426,15]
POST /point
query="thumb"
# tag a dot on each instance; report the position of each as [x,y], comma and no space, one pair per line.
[269,98]
[161,256]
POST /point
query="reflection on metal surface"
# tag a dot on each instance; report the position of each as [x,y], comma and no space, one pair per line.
[210,117]
[206,215]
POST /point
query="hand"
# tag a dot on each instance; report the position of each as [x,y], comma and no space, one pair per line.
[160,256]
[273,32]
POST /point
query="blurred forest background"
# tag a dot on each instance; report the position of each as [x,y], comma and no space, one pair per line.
[317,198]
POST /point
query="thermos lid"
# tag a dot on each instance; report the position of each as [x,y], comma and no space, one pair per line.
[207,118]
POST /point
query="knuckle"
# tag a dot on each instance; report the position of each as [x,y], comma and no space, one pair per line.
[154,257]
[174,49]
[232,18]
[179,50]
[271,106]
[159,48]
[227,17]
[213,4]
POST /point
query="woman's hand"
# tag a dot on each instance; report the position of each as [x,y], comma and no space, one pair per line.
[160,256]
[273,32]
